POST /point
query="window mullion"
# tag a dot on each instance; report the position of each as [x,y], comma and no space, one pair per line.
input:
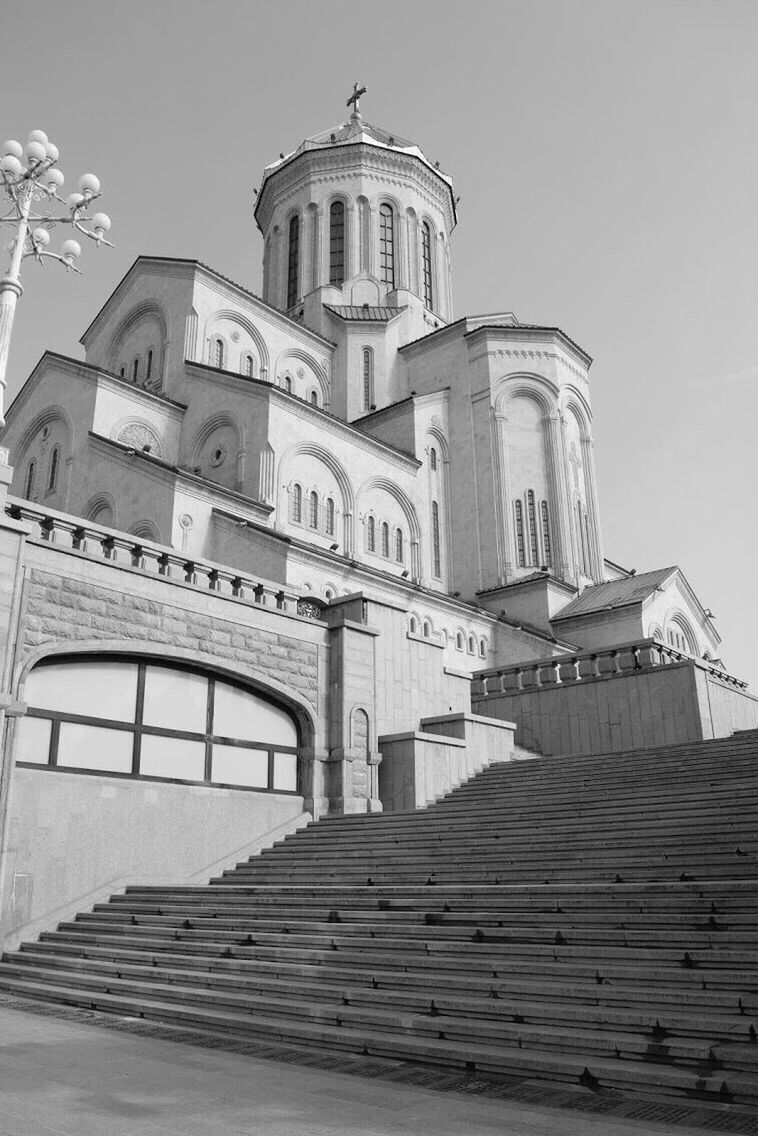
[139,713]
[209,728]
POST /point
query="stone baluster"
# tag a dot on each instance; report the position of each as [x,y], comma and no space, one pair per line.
[62,533]
[148,559]
[479,687]
[120,550]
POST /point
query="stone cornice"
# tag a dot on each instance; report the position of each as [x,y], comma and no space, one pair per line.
[483,336]
[347,161]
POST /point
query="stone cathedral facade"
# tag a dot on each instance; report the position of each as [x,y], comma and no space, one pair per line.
[325,550]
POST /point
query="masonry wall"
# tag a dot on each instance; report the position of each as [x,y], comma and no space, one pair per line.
[724,708]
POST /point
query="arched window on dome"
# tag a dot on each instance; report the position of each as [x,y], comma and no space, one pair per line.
[399,545]
[426,263]
[368,378]
[293,261]
[31,471]
[217,352]
[337,243]
[52,476]
[313,510]
[371,535]
[520,547]
[297,504]
[387,246]
[329,516]
[385,540]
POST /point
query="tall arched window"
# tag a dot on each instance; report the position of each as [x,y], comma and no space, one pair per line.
[337,243]
[368,378]
[314,398]
[520,547]
[436,554]
[313,510]
[293,261]
[149,365]
[532,516]
[546,543]
[399,545]
[433,458]
[387,246]
[217,353]
[287,384]
[371,535]
[122,372]
[30,474]
[330,516]
[135,370]
[385,540]
[426,263]
[52,477]
[297,504]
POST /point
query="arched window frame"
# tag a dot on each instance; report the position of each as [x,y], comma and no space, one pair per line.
[436,545]
[330,516]
[387,245]
[313,398]
[427,629]
[287,383]
[149,365]
[122,372]
[426,265]
[399,550]
[371,534]
[547,544]
[52,475]
[412,625]
[482,648]
[385,540]
[135,369]
[296,512]
[367,356]
[248,365]
[531,512]
[433,459]
[337,243]
[293,260]
[313,509]
[218,352]
[518,510]
[471,645]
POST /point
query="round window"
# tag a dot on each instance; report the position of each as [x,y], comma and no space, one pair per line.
[218,455]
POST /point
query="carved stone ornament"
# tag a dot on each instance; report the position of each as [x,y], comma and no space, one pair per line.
[138,435]
[235,336]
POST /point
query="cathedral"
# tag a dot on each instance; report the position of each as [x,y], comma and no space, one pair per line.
[328,550]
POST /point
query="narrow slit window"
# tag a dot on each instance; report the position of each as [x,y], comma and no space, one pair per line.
[30,474]
[314,398]
[217,356]
[313,510]
[532,517]
[135,370]
[149,365]
[330,517]
[385,540]
[436,552]
[337,243]
[371,535]
[399,545]
[387,246]
[426,263]
[546,542]
[520,548]
[297,504]
[293,261]
[368,378]
[433,458]
[52,477]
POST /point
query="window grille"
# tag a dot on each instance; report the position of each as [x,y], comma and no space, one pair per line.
[337,243]
[387,246]
[436,555]
[426,262]
[313,510]
[371,538]
[249,367]
[385,540]
[520,548]
[297,504]
[330,517]
[399,545]
[218,353]
[293,261]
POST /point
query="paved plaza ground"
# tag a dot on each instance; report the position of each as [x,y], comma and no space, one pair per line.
[62,1075]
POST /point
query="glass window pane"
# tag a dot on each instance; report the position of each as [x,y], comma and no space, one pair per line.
[175,700]
[240,714]
[95,747]
[285,771]
[233,765]
[100,689]
[33,740]
[172,757]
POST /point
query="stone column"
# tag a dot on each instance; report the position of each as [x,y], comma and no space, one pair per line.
[352,241]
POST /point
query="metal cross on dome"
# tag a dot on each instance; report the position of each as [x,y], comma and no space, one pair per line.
[355,98]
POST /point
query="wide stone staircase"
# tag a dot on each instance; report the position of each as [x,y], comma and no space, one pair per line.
[585,919]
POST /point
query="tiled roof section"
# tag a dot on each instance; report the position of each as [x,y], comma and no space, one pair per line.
[363,312]
[615,593]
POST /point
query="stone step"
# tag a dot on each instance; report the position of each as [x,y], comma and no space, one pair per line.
[705,1079]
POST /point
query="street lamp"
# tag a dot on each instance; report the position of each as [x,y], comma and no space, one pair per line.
[29,175]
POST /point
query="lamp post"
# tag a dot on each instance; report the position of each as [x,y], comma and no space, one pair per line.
[32,182]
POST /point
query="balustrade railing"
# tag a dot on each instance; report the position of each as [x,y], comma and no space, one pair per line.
[572,668]
[92,540]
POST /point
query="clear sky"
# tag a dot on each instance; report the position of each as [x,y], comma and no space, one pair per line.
[606,154]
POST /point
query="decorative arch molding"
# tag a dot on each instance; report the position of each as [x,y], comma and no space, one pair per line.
[247,325]
[137,433]
[315,450]
[50,414]
[655,632]
[147,309]
[525,385]
[402,499]
[302,709]
[675,617]
[226,418]
[573,399]
[304,357]
[145,530]
[98,502]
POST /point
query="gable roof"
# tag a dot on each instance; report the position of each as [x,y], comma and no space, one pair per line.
[616,593]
